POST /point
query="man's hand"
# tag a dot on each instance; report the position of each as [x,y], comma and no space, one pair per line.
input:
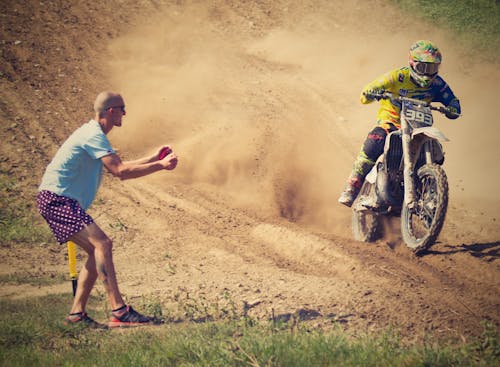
[166,155]
[170,161]
[164,151]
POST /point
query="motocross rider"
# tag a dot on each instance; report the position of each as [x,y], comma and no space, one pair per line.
[419,80]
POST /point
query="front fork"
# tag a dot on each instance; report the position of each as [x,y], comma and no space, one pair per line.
[409,188]
[411,151]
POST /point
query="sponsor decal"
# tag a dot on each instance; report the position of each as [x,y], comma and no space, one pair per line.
[375,137]
[403,92]
[401,77]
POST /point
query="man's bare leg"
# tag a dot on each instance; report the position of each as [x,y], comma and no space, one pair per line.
[86,281]
[100,262]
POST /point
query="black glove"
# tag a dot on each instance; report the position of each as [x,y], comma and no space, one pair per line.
[374,94]
[451,112]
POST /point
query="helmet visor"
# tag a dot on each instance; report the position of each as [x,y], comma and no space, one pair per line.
[426,68]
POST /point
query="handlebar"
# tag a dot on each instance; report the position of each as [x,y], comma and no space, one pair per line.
[378,95]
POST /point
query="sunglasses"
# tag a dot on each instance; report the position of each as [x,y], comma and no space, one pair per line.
[120,107]
[426,68]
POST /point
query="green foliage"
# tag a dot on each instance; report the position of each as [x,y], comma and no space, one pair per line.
[119,225]
[33,278]
[151,306]
[488,345]
[476,22]
[202,309]
[33,334]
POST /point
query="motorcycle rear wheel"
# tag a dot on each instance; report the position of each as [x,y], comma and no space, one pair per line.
[421,225]
[365,223]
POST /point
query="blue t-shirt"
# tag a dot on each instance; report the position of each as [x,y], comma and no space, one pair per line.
[76,169]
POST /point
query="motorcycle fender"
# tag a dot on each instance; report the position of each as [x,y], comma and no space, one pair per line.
[371,177]
[431,132]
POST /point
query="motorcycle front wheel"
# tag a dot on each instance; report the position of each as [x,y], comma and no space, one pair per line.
[365,223]
[421,225]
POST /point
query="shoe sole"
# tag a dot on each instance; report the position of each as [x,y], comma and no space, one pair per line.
[114,324]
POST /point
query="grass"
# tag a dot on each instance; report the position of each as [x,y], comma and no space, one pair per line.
[34,278]
[40,338]
[473,22]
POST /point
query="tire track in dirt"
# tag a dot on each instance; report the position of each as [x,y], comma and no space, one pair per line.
[314,254]
[283,267]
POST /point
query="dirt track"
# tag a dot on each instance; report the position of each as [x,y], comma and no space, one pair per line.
[260,101]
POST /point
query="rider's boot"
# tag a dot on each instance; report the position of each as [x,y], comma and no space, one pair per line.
[362,165]
[351,190]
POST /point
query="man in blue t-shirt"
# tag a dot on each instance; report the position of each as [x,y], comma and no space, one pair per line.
[69,185]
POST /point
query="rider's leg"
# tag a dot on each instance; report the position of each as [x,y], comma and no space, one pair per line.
[371,150]
[362,165]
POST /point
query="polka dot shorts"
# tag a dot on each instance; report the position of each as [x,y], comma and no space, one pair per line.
[64,215]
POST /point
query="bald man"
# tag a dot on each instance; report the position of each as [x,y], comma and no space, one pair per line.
[69,185]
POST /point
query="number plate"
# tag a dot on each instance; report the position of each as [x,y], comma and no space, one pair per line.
[417,116]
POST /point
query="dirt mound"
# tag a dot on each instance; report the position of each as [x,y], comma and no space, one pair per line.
[260,101]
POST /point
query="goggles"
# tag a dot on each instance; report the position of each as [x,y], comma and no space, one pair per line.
[425,68]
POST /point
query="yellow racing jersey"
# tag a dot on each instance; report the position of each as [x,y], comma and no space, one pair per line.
[398,82]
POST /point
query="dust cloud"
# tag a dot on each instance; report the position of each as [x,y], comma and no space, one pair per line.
[268,110]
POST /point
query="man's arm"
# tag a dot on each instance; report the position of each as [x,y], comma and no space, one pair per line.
[151,158]
[448,99]
[382,83]
[128,170]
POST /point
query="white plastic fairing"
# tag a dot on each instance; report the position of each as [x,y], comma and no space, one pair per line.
[371,177]
[431,132]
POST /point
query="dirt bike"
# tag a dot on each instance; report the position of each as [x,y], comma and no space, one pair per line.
[407,180]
